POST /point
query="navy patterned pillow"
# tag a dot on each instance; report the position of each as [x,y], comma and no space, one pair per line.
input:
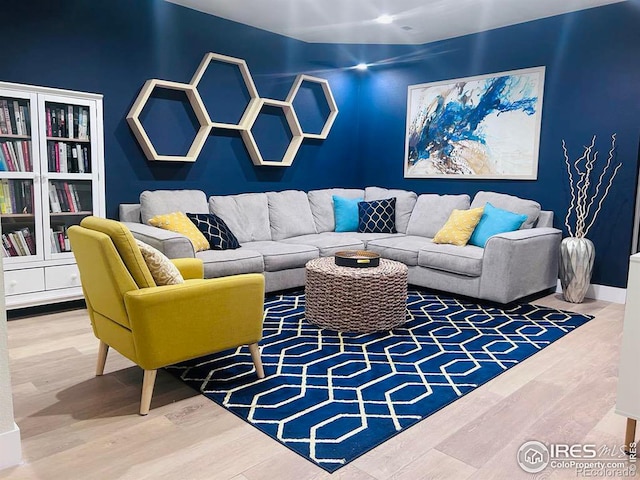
[378,216]
[215,230]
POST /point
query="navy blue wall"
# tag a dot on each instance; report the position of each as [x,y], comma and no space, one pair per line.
[114,47]
[591,87]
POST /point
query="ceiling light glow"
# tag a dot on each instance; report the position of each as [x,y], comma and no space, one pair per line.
[384,19]
[362,66]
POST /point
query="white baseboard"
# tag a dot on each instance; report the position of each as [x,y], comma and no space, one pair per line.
[603,292]
[10,449]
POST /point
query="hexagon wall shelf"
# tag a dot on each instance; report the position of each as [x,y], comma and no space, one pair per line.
[248,83]
[133,118]
[246,122]
[294,126]
[331,103]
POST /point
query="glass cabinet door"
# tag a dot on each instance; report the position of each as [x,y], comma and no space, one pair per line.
[68,162]
[19,213]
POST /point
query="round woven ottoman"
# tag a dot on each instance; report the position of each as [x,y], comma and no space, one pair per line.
[359,300]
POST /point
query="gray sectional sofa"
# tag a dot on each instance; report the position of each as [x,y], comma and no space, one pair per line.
[280,232]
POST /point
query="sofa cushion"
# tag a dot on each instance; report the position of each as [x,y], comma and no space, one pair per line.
[219,236]
[459,227]
[282,256]
[247,215]
[159,202]
[370,237]
[402,248]
[377,216]
[405,201]
[321,203]
[178,222]
[432,211]
[289,214]
[221,263]
[329,242]
[465,260]
[508,202]
[493,221]
[345,211]
[163,271]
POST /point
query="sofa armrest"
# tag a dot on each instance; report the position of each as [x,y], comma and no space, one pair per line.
[518,263]
[174,323]
[172,244]
[190,268]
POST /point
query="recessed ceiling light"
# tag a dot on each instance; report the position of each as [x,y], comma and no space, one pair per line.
[384,19]
[361,66]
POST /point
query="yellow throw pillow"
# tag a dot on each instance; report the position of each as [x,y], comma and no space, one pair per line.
[459,227]
[163,271]
[179,222]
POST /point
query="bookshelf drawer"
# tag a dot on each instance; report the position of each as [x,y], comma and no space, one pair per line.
[64,276]
[24,281]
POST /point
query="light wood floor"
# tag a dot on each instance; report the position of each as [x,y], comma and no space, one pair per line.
[77,426]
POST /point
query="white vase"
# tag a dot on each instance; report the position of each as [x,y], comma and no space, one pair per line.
[576,267]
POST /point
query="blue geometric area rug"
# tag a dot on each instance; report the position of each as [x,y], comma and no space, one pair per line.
[332,396]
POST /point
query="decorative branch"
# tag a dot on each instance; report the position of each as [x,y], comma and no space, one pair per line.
[583,196]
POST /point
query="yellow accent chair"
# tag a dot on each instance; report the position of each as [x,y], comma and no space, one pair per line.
[155,326]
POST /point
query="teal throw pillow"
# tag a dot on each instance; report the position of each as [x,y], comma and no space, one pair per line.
[493,221]
[345,211]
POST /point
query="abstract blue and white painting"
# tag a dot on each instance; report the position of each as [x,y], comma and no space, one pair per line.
[486,126]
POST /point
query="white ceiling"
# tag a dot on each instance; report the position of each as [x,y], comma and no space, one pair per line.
[353,21]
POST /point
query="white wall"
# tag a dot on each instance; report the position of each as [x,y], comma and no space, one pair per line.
[9,432]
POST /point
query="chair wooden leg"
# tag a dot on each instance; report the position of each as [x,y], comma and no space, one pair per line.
[257,361]
[630,434]
[147,390]
[102,358]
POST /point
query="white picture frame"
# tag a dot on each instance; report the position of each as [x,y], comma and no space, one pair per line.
[480,127]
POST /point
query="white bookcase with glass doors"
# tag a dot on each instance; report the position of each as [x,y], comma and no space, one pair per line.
[51,177]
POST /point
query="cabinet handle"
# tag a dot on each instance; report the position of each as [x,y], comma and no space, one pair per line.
[13,283]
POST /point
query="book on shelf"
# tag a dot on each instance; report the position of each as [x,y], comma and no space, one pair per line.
[22,242]
[54,202]
[19,243]
[62,123]
[29,240]
[59,240]
[64,198]
[15,156]
[5,161]
[67,157]
[16,196]
[20,156]
[5,197]
[15,244]
[7,116]
[83,123]
[3,121]
[54,122]
[25,120]
[8,246]
[26,150]
[17,118]
[70,132]
[69,197]
[14,117]
[67,121]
